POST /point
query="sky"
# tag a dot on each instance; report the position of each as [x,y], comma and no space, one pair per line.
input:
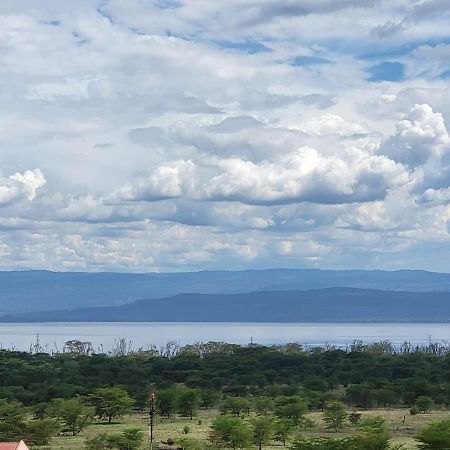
[179,135]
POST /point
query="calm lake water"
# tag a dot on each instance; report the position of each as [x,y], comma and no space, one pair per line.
[103,335]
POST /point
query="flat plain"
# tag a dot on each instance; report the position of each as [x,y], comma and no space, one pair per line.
[402,426]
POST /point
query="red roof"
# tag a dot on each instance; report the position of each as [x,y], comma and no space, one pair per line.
[13,446]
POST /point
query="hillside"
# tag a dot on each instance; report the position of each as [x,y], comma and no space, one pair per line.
[41,290]
[322,305]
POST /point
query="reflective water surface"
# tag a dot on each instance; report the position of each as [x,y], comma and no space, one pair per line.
[143,334]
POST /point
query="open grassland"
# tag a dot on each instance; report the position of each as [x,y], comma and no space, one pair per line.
[402,426]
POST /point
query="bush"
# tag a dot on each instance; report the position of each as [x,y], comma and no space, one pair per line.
[128,439]
[194,444]
[321,444]
[435,436]
[354,418]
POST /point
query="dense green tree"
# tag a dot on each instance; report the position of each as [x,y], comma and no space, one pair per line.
[362,395]
[39,432]
[263,405]
[283,430]
[209,398]
[366,375]
[42,410]
[12,428]
[167,402]
[424,403]
[74,415]
[335,415]
[189,402]
[386,396]
[292,408]
[15,426]
[231,432]
[9,410]
[263,430]
[235,405]
[111,403]
[12,421]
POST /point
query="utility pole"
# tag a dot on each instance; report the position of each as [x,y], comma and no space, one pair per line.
[150,419]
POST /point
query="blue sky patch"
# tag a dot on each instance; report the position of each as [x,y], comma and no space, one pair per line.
[168,4]
[387,71]
[300,61]
[249,47]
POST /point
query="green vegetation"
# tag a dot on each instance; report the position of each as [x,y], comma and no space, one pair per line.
[14,425]
[217,395]
[263,430]
[435,436]
[129,439]
[111,403]
[335,415]
[231,432]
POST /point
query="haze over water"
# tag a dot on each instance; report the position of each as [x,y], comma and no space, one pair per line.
[103,335]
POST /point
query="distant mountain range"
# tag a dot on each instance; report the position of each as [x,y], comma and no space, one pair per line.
[29,291]
[319,305]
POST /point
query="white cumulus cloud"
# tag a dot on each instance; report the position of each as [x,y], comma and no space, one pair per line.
[21,185]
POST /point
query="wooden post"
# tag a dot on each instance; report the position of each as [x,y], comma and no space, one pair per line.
[150,419]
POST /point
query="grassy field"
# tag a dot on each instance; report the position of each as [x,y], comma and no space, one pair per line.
[403,428]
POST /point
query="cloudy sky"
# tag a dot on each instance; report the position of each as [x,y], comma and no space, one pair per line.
[154,135]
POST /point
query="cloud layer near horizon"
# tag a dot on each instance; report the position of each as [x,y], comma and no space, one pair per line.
[186,135]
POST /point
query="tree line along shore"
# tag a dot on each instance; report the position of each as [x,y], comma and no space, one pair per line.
[230,396]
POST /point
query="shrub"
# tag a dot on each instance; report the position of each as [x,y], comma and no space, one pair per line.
[435,436]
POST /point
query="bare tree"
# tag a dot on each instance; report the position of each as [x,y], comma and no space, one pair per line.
[78,347]
[122,347]
[171,349]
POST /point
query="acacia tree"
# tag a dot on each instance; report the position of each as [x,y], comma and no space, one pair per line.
[263,430]
[209,398]
[231,432]
[167,402]
[235,406]
[111,403]
[263,405]
[283,429]
[424,404]
[292,408]
[335,415]
[15,426]
[189,402]
[72,413]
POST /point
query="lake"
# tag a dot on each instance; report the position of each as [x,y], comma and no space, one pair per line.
[103,335]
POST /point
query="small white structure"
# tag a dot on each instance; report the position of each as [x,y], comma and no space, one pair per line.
[13,446]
